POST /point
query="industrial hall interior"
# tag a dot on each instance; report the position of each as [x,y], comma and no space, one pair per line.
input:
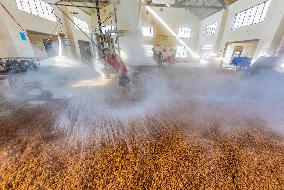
[141,94]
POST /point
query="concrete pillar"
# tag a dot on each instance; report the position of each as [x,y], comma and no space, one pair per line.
[218,45]
[6,49]
[278,37]
[69,32]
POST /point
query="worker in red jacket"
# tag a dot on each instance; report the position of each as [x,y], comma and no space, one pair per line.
[117,64]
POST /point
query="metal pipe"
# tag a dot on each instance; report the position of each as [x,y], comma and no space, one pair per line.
[116,28]
[100,23]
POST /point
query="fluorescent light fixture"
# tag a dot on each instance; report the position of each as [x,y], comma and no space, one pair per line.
[170,2]
[207,47]
[152,12]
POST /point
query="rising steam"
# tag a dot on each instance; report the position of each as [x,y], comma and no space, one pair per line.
[132,43]
[95,106]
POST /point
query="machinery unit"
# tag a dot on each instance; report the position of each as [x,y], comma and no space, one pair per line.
[18,64]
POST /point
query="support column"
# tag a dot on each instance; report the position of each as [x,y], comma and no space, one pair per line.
[100,23]
[7,48]
[218,45]
[278,37]
[68,26]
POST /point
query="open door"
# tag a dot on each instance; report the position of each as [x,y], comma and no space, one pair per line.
[85,51]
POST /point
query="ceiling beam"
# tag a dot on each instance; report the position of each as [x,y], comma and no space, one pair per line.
[189,6]
[77,6]
[177,5]
[196,7]
[63,2]
[84,1]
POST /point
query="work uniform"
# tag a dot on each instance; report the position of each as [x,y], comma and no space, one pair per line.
[119,67]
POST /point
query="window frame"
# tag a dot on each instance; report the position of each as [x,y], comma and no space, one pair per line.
[37,8]
[240,18]
[182,34]
[212,28]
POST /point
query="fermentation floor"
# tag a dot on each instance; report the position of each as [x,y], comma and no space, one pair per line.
[189,143]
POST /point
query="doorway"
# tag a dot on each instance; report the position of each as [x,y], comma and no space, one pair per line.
[49,49]
[44,45]
[85,51]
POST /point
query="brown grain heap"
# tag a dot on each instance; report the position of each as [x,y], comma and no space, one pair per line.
[178,153]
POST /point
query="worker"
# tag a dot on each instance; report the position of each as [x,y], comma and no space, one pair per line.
[157,56]
[117,64]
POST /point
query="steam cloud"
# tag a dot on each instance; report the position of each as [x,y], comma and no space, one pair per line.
[132,43]
[96,107]
[102,109]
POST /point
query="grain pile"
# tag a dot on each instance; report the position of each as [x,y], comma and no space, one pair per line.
[178,152]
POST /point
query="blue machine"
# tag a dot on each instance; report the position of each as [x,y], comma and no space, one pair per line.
[242,63]
[23,36]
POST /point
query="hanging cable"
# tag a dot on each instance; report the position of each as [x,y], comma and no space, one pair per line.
[108,17]
[79,28]
[116,28]
[100,24]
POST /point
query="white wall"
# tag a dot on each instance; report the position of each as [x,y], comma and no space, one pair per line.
[210,39]
[177,18]
[77,34]
[34,23]
[6,49]
[128,17]
[264,31]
